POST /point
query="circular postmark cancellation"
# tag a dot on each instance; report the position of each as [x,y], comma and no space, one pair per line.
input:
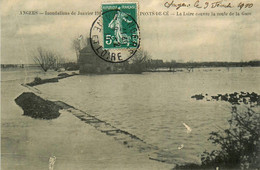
[115,36]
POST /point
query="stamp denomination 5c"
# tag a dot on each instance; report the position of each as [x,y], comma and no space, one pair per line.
[115,35]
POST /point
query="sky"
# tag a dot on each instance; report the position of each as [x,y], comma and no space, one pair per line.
[180,38]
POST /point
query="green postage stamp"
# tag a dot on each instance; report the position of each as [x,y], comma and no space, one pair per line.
[119,25]
[115,35]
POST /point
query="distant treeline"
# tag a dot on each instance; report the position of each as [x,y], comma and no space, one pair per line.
[67,66]
[153,64]
[18,65]
[220,64]
[12,65]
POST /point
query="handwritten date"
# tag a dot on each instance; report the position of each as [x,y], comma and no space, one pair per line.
[206,4]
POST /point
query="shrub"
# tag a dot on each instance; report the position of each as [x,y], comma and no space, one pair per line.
[36,107]
[37,80]
[71,66]
[239,143]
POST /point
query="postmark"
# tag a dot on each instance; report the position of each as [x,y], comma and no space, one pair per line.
[115,34]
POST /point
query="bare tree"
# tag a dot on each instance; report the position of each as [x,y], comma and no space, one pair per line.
[46,59]
[76,47]
[139,60]
[140,57]
[60,61]
[79,43]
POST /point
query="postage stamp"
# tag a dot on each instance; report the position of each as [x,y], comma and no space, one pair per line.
[115,34]
[119,28]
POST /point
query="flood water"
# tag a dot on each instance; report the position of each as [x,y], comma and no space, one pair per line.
[24,75]
[154,106]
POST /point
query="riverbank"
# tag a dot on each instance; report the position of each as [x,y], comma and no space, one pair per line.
[29,143]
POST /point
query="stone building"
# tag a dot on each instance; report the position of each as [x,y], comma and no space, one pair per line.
[89,63]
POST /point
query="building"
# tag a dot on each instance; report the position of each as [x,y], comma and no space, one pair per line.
[89,63]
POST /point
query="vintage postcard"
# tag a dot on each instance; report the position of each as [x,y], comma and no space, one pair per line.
[130,84]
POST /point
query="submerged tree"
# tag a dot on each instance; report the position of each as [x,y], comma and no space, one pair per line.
[45,58]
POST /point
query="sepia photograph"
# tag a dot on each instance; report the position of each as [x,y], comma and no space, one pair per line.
[130,84]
